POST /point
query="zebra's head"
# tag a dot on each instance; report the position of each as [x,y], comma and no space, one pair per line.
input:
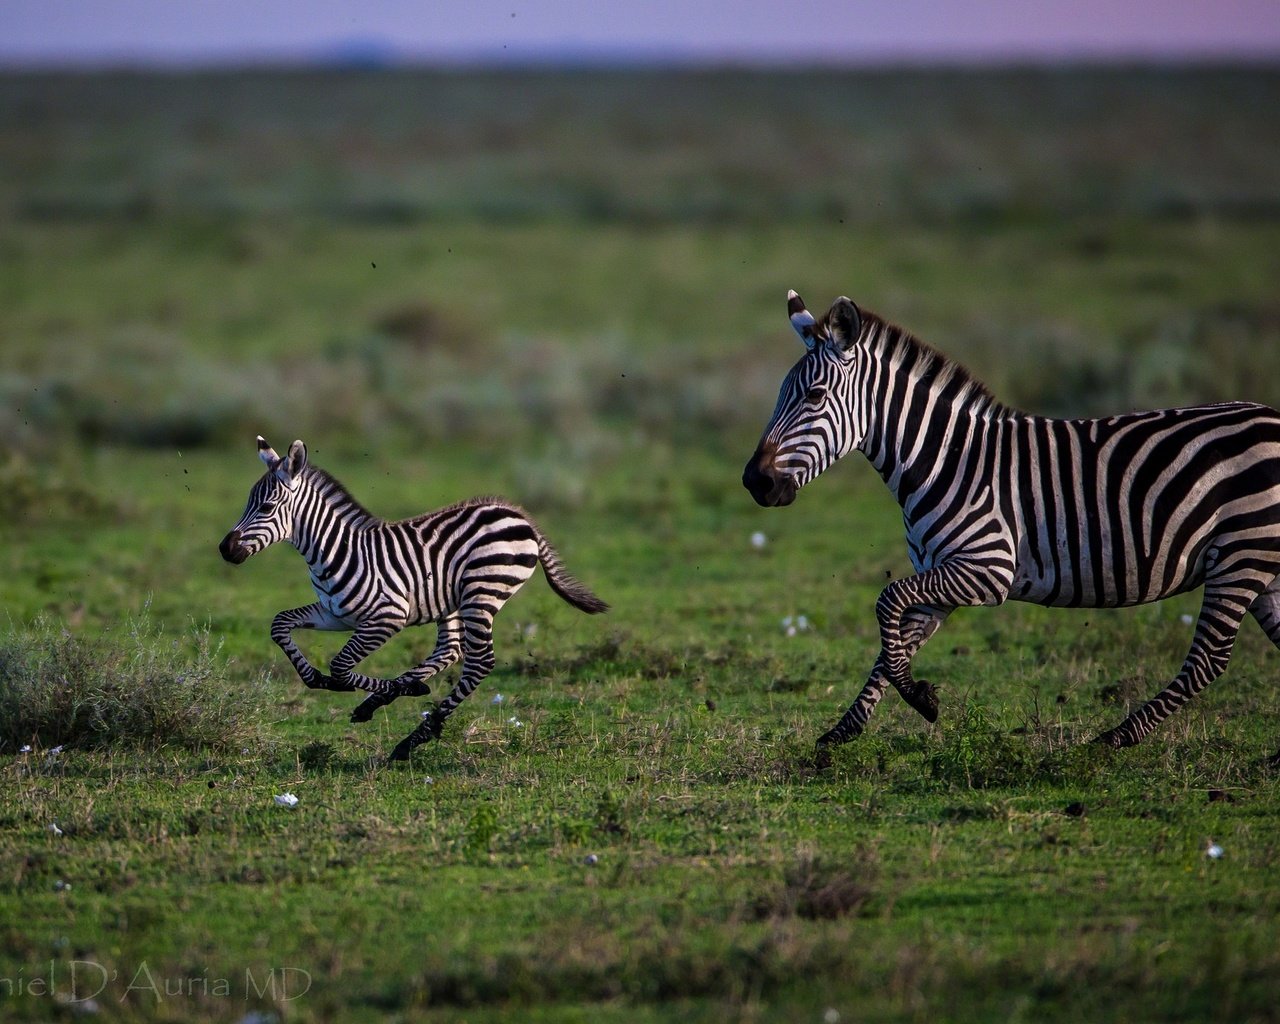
[815,421]
[268,514]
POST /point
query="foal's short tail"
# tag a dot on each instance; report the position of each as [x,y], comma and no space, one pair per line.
[563,583]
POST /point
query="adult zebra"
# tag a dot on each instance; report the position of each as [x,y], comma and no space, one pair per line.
[1001,505]
[456,566]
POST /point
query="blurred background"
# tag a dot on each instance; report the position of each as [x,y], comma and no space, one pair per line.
[544,249]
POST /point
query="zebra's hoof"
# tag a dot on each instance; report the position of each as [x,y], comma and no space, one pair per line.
[364,712]
[402,751]
[410,687]
[924,698]
[821,756]
[1114,739]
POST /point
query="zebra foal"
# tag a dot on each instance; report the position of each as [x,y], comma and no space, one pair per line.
[1000,505]
[455,566]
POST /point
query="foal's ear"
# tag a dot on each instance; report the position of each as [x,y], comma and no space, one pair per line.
[802,321]
[844,324]
[292,464]
[266,453]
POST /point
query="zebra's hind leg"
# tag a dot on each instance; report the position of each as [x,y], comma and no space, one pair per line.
[1266,609]
[413,683]
[919,623]
[478,661]
[1225,604]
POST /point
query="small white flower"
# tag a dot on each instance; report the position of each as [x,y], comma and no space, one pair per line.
[428,780]
[61,886]
[286,800]
[53,827]
[791,631]
[515,723]
[786,621]
[26,749]
[1214,851]
[831,1016]
[758,540]
[590,859]
[1187,620]
[530,631]
[802,623]
[497,699]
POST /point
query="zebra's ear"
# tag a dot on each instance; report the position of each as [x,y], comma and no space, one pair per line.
[802,321]
[844,324]
[291,465]
[267,454]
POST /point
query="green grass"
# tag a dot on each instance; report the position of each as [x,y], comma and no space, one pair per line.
[598,332]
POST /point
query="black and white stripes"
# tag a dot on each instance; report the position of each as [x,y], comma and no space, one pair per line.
[1002,505]
[456,567]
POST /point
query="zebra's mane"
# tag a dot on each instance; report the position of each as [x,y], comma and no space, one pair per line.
[342,499]
[897,345]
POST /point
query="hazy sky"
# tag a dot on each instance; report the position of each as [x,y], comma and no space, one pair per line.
[780,31]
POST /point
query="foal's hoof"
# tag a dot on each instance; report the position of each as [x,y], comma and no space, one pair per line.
[1114,739]
[822,756]
[402,751]
[413,688]
[924,698]
[364,711]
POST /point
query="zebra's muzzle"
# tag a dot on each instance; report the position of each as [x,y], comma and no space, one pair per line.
[769,487]
[232,550]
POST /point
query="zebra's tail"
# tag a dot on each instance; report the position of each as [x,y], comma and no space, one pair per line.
[565,584]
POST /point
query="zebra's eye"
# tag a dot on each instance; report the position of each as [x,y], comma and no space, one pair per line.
[815,394]
[267,507]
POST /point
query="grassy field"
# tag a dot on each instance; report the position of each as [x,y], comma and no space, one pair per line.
[569,289]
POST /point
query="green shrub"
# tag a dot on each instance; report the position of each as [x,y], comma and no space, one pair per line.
[133,688]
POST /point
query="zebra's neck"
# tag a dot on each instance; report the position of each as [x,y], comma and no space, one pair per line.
[327,519]
[925,412]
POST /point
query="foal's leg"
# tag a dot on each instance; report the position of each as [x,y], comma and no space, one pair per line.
[478,660]
[369,635]
[311,616]
[413,683]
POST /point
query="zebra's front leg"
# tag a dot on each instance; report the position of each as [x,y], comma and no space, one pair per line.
[1221,614]
[917,626]
[478,661]
[951,584]
[312,616]
[413,683]
[854,721]
[369,635]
